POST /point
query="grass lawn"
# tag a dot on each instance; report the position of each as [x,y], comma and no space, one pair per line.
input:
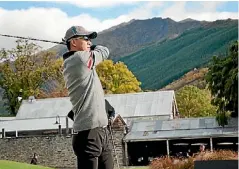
[4,164]
[15,165]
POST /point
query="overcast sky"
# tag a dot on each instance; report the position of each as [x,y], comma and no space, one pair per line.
[50,20]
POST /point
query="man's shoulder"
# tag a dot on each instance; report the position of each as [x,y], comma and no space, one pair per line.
[68,54]
[74,53]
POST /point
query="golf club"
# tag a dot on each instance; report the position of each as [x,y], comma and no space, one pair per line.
[35,39]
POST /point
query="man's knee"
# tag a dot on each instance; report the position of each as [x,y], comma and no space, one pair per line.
[106,160]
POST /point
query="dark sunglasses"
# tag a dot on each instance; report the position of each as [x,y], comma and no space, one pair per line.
[86,38]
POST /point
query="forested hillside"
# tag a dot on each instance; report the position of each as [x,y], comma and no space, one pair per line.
[160,64]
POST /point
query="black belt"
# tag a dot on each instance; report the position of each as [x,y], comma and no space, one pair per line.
[104,127]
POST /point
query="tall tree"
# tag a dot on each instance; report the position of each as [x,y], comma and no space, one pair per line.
[24,70]
[222,78]
[194,102]
[117,78]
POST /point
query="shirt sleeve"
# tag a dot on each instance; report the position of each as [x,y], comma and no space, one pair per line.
[94,57]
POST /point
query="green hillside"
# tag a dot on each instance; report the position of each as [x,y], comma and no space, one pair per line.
[160,64]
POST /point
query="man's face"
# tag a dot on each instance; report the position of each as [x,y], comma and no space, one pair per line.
[81,44]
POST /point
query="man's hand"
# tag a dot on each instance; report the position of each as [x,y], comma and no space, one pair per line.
[92,47]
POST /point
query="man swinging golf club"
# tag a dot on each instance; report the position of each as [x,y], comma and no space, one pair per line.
[91,143]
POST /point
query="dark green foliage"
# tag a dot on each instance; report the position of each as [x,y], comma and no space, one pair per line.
[159,65]
[222,78]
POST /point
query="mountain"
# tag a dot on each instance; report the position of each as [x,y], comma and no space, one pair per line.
[131,36]
[187,20]
[162,63]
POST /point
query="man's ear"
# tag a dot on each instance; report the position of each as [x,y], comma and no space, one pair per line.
[73,43]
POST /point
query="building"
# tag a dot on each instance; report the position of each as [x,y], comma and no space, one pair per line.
[154,138]
[51,113]
[143,105]
[146,105]
[146,126]
[38,117]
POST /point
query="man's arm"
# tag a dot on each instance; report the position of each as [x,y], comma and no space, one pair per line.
[95,56]
[100,53]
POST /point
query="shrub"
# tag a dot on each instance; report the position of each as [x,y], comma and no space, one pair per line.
[217,155]
[188,163]
[172,163]
[162,162]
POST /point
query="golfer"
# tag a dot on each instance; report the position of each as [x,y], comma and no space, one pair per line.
[91,143]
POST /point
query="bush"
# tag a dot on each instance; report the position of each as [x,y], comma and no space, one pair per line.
[217,155]
[162,162]
[188,163]
[172,163]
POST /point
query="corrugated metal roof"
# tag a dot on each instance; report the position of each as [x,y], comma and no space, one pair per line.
[41,108]
[7,118]
[142,104]
[34,124]
[180,128]
[200,133]
[175,124]
[127,105]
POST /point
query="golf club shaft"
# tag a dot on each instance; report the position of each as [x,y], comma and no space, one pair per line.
[35,39]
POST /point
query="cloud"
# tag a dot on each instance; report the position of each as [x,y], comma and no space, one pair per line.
[210,6]
[200,11]
[51,23]
[143,12]
[97,4]
[42,23]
